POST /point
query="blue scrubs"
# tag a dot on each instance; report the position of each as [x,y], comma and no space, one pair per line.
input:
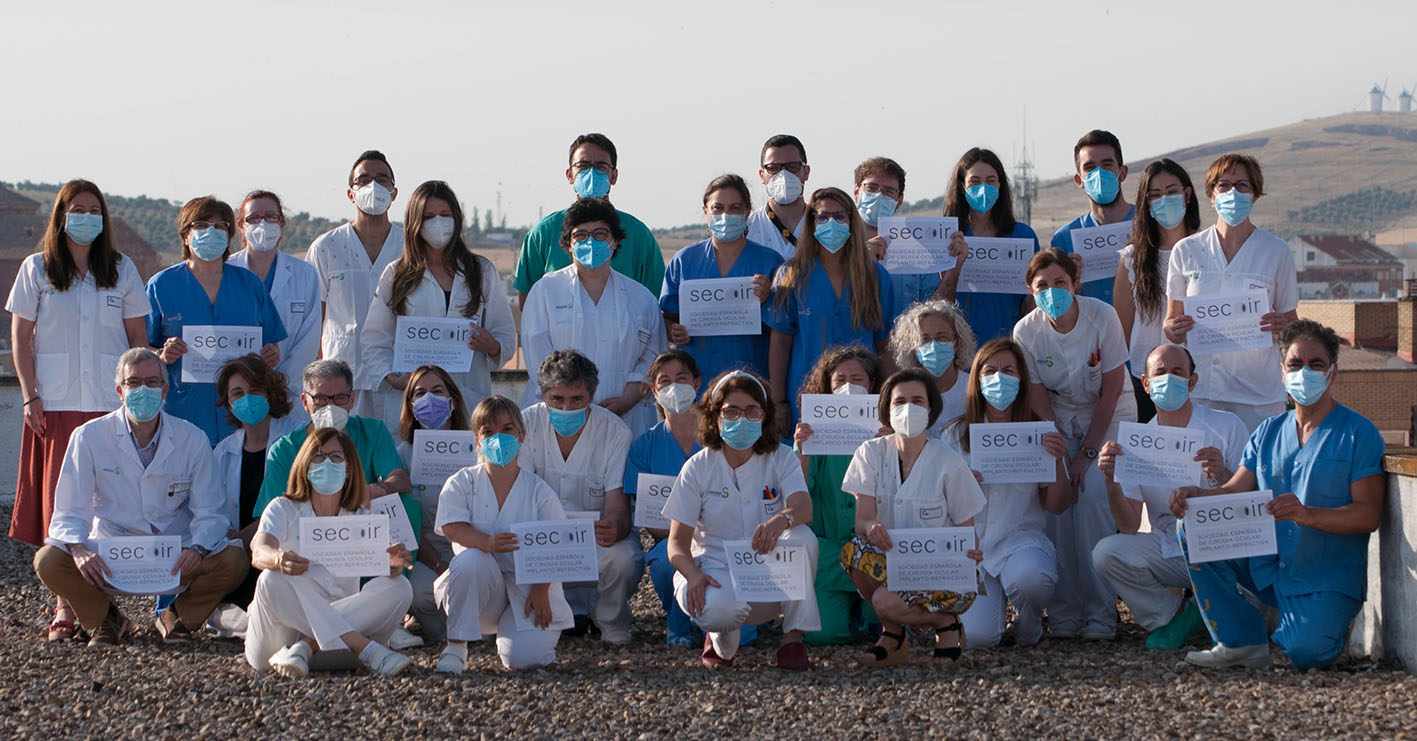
[1063,240]
[912,289]
[1317,580]
[817,320]
[717,354]
[993,315]
[177,299]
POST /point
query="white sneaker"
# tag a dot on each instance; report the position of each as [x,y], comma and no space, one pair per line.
[615,638]
[228,621]
[293,661]
[381,660]
[401,639]
[1222,656]
[450,663]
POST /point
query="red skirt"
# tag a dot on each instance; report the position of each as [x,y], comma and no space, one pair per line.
[40,460]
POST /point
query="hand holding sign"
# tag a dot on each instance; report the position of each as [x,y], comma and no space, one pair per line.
[1228,323]
[1153,455]
[1012,452]
[777,576]
[555,551]
[1222,527]
[142,564]
[348,545]
[996,265]
[839,422]
[209,347]
[440,341]
[917,245]
[1098,247]
[720,306]
[932,559]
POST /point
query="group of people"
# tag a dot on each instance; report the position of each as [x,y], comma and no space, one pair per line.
[315,422]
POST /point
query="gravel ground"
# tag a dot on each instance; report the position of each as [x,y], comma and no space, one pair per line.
[1069,689]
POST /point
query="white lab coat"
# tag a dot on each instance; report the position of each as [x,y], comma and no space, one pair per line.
[596,463]
[376,360]
[940,492]
[621,334]
[295,290]
[104,491]
[347,279]
[226,458]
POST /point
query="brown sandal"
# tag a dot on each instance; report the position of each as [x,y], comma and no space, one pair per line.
[61,630]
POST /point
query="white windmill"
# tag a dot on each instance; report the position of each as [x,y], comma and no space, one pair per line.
[1404,101]
[1376,96]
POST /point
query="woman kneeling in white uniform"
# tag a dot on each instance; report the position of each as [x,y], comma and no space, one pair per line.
[300,606]
[744,485]
[476,511]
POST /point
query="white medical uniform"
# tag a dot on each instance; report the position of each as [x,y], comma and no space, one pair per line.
[621,334]
[596,465]
[1146,569]
[951,404]
[227,460]
[764,232]
[295,290]
[940,492]
[725,503]
[347,279]
[1070,366]
[1146,334]
[380,400]
[479,591]
[1249,383]
[425,604]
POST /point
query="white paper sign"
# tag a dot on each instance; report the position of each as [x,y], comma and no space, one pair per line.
[438,454]
[931,559]
[141,564]
[917,244]
[840,422]
[651,493]
[1227,323]
[400,527]
[778,576]
[1098,246]
[1012,452]
[1153,455]
[720,306]
[427,340]
[555,551]
[353,545]
[1226,526]
[209,347]
[996,265]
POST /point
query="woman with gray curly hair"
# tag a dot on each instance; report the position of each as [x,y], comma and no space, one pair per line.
[935,336]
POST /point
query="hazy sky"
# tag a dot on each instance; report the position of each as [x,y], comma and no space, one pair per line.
[178,99]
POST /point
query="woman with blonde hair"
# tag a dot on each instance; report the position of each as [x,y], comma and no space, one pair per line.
[935,336]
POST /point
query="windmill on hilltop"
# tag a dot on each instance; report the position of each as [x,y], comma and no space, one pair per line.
[1376,96]
[1404,101]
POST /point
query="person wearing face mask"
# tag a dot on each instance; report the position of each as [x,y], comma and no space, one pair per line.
[593,168]
[1139,293]
[1146,569]
[303,617]
[1100,174]
[592,308]
[743,485]
[1020,565]
[934,335]
[727,253]
[1228,258]
[328,397]
[351,257]
[436,276]
[293,284]
[204,290]
[879,189]
[1323,462]
[579,449]
[783,170]
[1076,359]
[829,293]
[75,306]
[138,471]
[908,480]
[476,512]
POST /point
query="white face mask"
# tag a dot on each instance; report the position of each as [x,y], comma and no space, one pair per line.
[850,389]
[437,231]
[676,398]
[909,420]
[262,237]
[330,415]
[784,187]
[373,199]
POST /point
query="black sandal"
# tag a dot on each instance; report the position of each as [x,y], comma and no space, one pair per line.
[879,655]
[953,653]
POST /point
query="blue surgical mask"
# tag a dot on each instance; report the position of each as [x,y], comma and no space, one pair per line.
[999,389]
[1054,302]
[1305,385]
[1234,206]
[831,235]
[208,244]
[741,433]
[1168,392]
[250,409]
[499,449]
[567,422]
[1101,185]
[143,403]
[432,411]
[1168,210]
[935,356]
[591,183]
[981,197]
[875,206]
[83,228]
[728,227]
[591,253]
[327,477]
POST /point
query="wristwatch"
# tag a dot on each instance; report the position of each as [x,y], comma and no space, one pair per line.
[1091,453]
[201,551]
[791,521]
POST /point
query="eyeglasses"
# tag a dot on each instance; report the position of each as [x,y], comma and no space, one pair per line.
[603,168]
[840,217]
[321,456]
[320,400]
[886,190]
[152,382]
[1224,186]
[736,208]
[753,413]
[1174,190]
[581,235]
[384,180]
[204,225]
[773,168]
[253,219]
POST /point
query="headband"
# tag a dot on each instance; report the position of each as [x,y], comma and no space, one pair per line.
[739,374]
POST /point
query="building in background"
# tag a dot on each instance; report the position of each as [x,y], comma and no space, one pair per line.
[1344,267]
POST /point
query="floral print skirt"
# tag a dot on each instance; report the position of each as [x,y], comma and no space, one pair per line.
[871,561]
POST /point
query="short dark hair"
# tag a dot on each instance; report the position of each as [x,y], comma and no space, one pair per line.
[879,164]
[565,367]
[586,210]
[669,356]
[261,377]
[782,140]
[932,392]
[1308,329]
[365,156]
[711,404]
[731,182]
[599,140]
[1235,159]
[206,208]
[1098,138]
[1052,256]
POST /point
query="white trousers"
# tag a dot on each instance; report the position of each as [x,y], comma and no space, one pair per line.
[1144,579]
[724,613]
[1082,599]
[425,605]
[1026,579]
[1251,414]
[473,593]
[608,601]
[288,608]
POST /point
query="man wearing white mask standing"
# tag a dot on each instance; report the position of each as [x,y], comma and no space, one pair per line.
[783,169]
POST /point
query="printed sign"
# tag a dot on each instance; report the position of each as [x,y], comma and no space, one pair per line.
[1227,526]
[1227,323]
[931,559]
[777,576]
[652,492]
[1098,246]
[551,551]
[840,422]
[1153,455]
[720,306]
[917,244]
[1012,452]
[353,545]
[209,347]
[427,340]
[141,564]
[400,528]
[438,454]
[996,265]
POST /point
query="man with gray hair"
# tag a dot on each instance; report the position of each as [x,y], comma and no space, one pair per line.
[138,472]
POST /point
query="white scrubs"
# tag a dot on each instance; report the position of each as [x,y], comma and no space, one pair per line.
[295,290]
[347,279]
[951,403]
[425,604]
[764,232]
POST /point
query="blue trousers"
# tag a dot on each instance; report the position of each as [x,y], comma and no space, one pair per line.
[661,575]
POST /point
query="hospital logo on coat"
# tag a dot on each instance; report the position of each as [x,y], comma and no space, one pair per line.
[116,471]
[724,493]
[1048,361]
